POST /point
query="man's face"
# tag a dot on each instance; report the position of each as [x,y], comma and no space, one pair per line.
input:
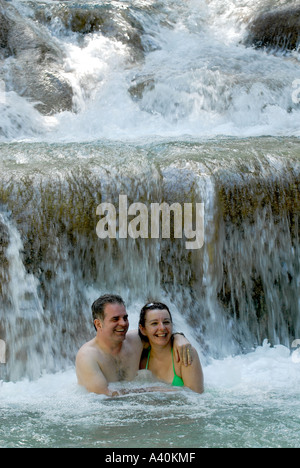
[115,324]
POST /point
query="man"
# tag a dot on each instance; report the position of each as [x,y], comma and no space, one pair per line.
[114,354]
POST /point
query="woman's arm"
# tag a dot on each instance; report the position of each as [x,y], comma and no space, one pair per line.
[192,375]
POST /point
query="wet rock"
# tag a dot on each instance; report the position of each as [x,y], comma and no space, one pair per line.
[34,62]
[4,242]
[111,21]
[279,29]
[140,85]
[3,32]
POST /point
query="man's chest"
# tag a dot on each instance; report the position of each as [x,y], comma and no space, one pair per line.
[118,368]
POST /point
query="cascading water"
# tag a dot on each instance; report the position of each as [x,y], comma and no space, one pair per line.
[22,311]
[164,65]
[161,102]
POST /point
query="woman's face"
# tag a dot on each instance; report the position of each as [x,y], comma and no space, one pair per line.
[158,327]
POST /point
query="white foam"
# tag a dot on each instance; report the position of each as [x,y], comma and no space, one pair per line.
[263,371]
[204,83]
[250,400]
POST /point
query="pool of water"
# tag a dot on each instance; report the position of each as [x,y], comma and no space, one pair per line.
[250,400]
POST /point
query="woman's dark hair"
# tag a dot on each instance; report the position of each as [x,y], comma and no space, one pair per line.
[144,310]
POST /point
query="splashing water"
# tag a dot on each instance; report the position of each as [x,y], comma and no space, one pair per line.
[188,73]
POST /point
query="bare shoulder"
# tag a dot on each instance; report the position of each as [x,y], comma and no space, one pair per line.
[87,353]
[88,369]
[134,340]
[86,348]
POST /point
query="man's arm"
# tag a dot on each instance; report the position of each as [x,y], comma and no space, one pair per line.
[89,374]
[193,375]
[183,349]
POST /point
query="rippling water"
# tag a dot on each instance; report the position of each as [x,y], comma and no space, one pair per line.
[250,401]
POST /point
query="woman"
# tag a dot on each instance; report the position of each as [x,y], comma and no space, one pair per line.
[156,327]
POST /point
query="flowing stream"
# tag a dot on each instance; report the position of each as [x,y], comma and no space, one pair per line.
[161,102]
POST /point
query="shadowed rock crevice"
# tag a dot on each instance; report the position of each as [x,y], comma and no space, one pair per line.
[278,29]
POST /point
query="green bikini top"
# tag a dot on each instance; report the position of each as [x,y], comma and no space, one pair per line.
[177,381]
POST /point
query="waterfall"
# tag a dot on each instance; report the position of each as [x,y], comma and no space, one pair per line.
[92,70]
[238,289]
[162,103]
[22,315]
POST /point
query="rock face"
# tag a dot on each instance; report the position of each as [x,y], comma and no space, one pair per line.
[111,20]
[279,29]
[33,62]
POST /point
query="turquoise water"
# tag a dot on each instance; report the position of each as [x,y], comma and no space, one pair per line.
[250,401]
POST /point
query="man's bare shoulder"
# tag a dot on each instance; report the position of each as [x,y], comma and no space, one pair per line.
[88,351]
[134,340]
[88,369]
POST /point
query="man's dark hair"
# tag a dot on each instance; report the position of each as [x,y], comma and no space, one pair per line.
[100,303]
